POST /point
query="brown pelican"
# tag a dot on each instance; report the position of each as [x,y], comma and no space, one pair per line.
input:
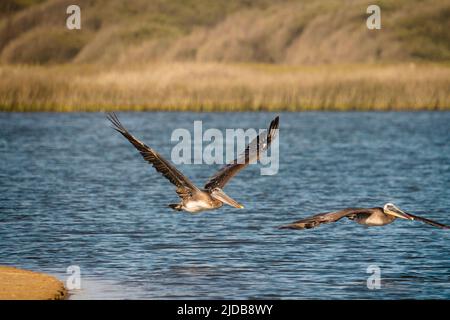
[194,199]
[367,216]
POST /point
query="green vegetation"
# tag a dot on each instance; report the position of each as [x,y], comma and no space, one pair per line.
[426,33]
[224,55]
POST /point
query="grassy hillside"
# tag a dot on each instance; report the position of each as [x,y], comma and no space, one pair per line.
[224,54]
[292,32]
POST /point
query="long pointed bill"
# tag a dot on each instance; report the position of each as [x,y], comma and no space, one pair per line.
[222,196]
[399,214]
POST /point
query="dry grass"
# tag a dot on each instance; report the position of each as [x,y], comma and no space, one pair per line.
[220,87]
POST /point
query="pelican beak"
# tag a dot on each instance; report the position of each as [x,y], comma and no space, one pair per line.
[222,196]
[399,214]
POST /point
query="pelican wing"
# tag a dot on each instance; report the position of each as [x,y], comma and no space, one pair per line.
[252,152]
[327,217]
[158,162]
[428,221]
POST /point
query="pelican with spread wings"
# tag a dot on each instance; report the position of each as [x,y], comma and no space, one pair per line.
[194,199]
[366,216]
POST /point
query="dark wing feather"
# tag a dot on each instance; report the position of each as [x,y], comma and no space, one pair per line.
[327,217]
[159,163]
[428,221]
[252,152]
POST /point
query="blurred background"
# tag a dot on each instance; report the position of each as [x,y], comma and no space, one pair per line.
[221,55]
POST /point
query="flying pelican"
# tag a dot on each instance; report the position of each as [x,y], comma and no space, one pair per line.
[367,216]
[194,199]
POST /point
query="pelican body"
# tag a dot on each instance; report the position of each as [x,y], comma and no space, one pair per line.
[378,216]
[211,196]
[203,200]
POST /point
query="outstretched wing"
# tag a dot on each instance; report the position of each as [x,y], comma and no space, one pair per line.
[428,221]
[252,152]
[159,163]
[326,217]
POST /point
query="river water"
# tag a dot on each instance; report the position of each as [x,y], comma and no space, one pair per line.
[75,192]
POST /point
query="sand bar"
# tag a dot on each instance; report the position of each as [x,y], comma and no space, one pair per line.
[17,284]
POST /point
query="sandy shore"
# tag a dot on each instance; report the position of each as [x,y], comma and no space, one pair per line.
[17,284]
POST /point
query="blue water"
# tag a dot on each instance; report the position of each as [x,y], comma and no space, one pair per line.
[74,192]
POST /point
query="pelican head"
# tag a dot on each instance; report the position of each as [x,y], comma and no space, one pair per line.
[220,195]
[393,210]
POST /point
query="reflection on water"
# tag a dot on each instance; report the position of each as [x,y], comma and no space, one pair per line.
[76,193]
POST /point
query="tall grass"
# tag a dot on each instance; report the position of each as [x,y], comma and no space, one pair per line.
[220,87]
